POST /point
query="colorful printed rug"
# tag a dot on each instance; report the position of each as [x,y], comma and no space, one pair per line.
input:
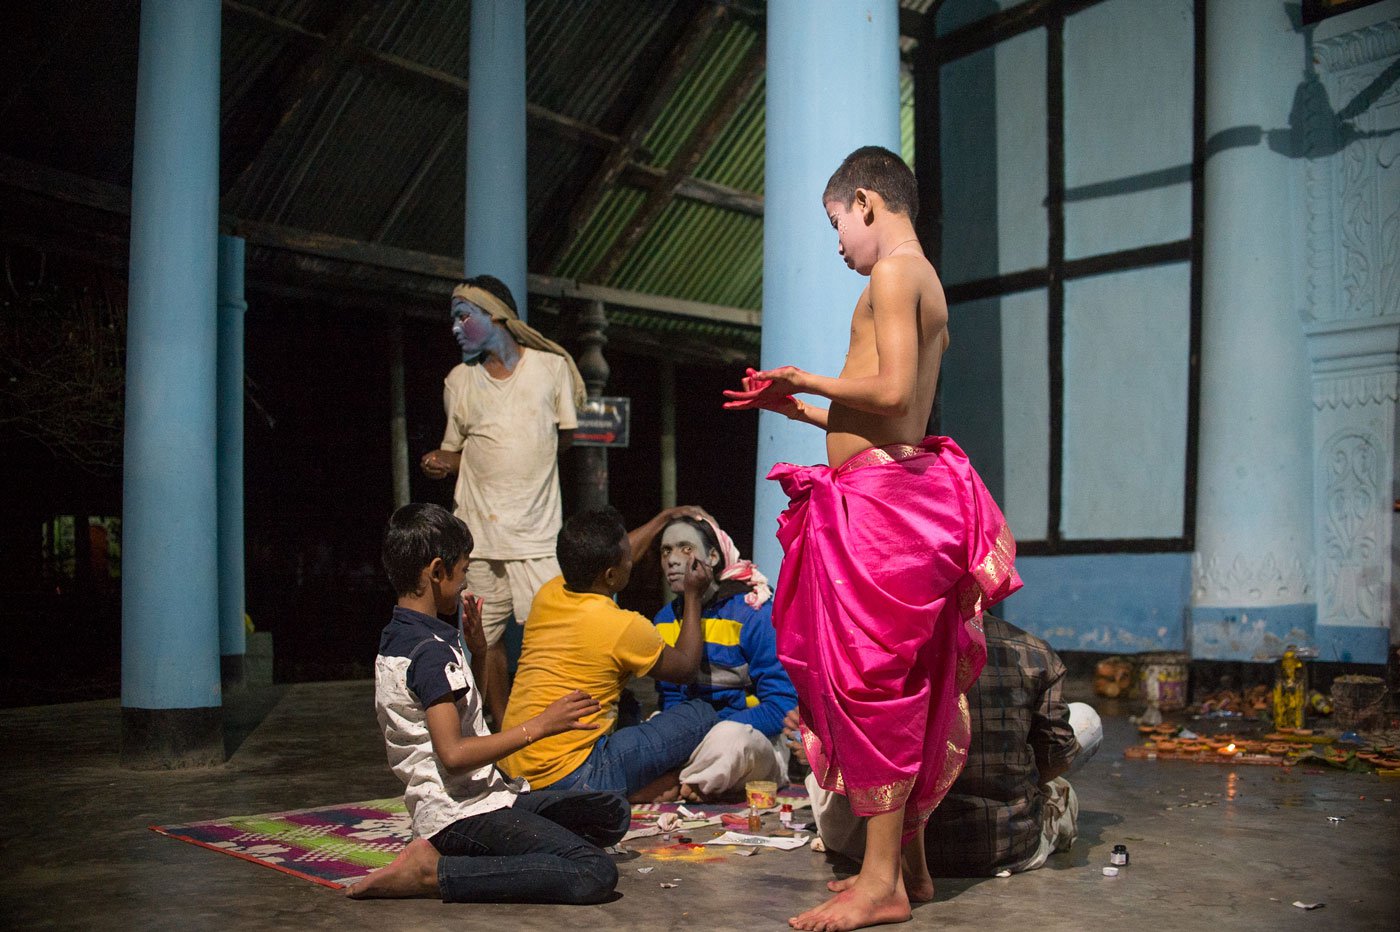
[332,845]
[337,845]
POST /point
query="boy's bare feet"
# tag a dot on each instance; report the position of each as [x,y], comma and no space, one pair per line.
[412,873]
[860,903]
[913,867]
[919,889]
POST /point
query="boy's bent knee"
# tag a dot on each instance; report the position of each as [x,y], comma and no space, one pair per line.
[596,881]
[618,815]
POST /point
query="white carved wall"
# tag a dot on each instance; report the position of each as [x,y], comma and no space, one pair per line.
[1353,322]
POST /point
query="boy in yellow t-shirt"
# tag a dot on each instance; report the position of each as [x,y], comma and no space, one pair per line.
[578,638]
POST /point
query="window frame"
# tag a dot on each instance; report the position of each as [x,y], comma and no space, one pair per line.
[931,54]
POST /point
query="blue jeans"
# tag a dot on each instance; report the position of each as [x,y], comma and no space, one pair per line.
[544,849]
[630,758]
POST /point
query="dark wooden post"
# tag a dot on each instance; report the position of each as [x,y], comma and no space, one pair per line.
[593,461]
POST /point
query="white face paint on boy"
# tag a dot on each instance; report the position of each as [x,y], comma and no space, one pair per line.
[681,543]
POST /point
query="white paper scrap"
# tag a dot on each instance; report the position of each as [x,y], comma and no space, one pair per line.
[760,841]
[1301,905]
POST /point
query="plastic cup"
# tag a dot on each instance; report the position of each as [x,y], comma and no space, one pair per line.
[762,794]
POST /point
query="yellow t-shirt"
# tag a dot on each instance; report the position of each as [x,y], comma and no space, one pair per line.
[574,641]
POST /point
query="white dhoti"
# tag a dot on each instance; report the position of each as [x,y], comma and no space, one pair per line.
[730,755]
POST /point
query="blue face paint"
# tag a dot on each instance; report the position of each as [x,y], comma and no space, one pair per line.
[472,329]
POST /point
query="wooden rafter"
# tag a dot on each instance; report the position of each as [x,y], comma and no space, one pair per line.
[678,62]
[433,271]
[734,93]
[410,190]
[318,69]
[422,77]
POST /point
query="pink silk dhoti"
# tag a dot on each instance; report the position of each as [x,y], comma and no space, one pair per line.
[889,562]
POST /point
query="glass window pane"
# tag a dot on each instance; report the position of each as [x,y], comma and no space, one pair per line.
[995,402]
[1025,386]
[1126,360]
[992,144]
[1128,118]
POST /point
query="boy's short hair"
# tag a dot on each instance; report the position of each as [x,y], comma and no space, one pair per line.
[877,169]
[590,542]
[417,533]
[496,287]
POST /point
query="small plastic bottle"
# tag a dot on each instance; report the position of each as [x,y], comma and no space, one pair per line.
[1119,856]
[755,821]
[785,815]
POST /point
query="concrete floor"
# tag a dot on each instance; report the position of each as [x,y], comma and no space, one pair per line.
[79,856]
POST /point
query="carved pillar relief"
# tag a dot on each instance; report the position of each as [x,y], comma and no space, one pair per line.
[1354,323]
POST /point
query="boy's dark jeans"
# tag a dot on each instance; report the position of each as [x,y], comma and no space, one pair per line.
[630,758]
[544,849]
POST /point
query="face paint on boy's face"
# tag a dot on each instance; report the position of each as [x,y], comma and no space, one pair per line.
[851,242]
[471,328]
[681,544]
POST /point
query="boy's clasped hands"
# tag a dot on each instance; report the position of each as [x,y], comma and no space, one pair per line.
[771,390]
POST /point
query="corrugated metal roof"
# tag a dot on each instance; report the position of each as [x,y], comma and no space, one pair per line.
[723,55]
[365,139]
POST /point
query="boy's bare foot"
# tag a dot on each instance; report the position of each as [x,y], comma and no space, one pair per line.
[913,865]
[860,903]
[918,889]
[412,873]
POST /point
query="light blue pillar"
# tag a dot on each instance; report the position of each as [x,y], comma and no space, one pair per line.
[833,86]
[232,306]
[1252,587]
[495,231]
[170,631]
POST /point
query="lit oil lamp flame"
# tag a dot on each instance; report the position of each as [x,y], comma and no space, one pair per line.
[1228,749]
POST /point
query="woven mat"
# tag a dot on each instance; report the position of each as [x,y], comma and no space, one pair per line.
[332,845]
[337,845]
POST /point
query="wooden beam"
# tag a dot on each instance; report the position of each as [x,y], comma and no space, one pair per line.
[550,287]
[318,69]
[911,23]
[733,95]
[651,178]
[678,62]
[1003,25]
[68,188]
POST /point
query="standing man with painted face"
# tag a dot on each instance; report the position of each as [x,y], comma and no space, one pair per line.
[511,408]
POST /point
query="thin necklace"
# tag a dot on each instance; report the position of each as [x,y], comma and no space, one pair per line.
[897,245]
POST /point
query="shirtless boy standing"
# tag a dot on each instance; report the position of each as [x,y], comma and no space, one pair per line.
[891,553]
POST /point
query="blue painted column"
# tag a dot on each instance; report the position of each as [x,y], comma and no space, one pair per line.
[170,631]
[1252,590]
[232,306]
[833,86]
[495,230]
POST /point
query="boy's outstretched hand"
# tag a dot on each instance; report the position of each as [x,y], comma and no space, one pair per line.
[473,637]
[770,391]
[563,715]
